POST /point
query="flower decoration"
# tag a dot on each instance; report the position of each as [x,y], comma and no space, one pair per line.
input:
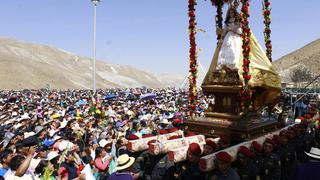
[246,34]
[193,70]
[219,5]
[218,2]
[267,31]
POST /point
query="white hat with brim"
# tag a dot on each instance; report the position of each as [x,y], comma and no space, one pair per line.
[314,153]
[51,155]
[17,126]
[52,132]
[34,163]
[124,162]
[103,143]
[10,121]
[63,124]
[65,145]
[164,121]
[28,134]
[14,113]
[297,121]
[171,115]
[38,129]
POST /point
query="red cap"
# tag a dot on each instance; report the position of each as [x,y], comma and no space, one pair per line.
[211,143]
[163,131]
[174,129]
[174,137]
[190,134]
[133,137]
[177,121]
[147,135]
[245,151]
[308,116]
[224,156]
[256,146]
[152,141]
[302,118]
[194,149]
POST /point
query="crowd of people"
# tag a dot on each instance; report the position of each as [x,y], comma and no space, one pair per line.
[75,135]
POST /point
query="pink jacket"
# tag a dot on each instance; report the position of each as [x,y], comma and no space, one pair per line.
[102,166]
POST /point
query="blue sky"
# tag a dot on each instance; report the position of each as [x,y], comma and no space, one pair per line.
[148,34]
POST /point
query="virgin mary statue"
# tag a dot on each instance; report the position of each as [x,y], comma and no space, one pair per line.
[228,55]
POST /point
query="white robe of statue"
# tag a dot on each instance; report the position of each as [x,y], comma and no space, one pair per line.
[230,52]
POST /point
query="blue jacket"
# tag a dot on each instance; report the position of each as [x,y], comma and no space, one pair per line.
[307,171]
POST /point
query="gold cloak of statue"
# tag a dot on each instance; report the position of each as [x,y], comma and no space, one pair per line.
[265,81]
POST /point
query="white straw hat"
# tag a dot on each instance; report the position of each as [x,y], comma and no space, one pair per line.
[28,134]
[314,153]
[34,163]
[103,142]
[65,145]
[63,124]
[51,155]
[124,162]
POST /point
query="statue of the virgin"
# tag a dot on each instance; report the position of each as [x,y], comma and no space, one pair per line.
[228,55]
[230,52]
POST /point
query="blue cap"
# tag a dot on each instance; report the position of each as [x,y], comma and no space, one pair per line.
[119,124]
[48,143]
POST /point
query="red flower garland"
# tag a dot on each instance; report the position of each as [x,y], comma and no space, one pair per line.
[192,58]
[219,5]
[267,31]
[218,2]
[246,34]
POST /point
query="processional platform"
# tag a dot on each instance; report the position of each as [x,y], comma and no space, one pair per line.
[225,116]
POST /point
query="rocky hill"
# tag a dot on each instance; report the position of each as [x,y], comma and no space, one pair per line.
[307,56]
[26,65]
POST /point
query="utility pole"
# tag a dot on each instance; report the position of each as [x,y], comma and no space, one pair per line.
[95,3]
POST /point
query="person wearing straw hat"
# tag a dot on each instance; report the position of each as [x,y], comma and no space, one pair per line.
[124,163]
[309,170]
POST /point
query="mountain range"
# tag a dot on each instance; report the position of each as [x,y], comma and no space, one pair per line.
[24,65]
[308,57]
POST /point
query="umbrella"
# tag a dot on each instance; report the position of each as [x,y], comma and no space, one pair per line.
[130,97]
[81,102]
[110,96]
[148,96]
